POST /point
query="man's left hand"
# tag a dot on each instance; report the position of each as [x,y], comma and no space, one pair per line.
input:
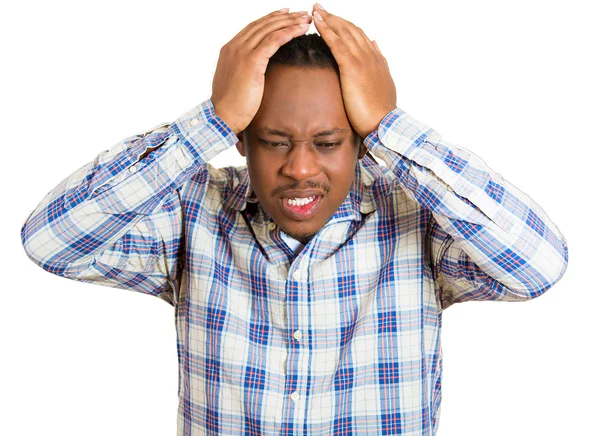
[368,89]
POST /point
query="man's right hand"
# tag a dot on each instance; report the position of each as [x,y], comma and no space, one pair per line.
[239,80]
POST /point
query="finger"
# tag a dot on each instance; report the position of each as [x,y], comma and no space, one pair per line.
[379,51]
[353,37]
[273,41]
[334,23]
[251,27]
[377,47]
[339,50]
[260,33]
[255,26]
[242,33]
[362,33]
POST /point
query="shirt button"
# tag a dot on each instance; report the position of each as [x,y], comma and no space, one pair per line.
[194,121]
[298,335]
[297,275]
[272,226]
[132,169]
[294,396]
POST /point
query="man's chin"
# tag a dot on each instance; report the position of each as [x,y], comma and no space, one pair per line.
[301,237]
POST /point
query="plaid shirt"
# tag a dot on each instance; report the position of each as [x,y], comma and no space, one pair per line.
[343,338]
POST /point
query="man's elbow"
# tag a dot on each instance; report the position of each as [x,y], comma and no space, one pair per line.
[536,281]
[37,247]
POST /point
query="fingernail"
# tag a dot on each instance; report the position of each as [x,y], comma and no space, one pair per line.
[304,26]
[284,10]
[318,6]
[319,17]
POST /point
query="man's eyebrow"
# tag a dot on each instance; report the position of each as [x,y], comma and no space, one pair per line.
[281,133]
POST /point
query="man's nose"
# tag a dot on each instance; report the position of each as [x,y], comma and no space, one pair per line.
[301,163]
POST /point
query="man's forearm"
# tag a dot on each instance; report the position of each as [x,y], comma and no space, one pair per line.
[499,227]
[91,210]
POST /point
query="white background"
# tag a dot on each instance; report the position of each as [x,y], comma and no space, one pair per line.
[515,82]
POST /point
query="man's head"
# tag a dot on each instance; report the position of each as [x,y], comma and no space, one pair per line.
[300,147]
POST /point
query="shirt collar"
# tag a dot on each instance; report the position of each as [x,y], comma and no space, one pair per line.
[363,197]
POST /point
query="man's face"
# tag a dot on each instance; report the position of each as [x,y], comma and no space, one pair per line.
[300,149]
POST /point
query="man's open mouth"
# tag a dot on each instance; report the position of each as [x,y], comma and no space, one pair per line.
[301,208]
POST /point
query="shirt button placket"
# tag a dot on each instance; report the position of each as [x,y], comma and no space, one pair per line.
[296,357]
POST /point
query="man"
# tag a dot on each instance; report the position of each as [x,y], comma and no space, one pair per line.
[308,287]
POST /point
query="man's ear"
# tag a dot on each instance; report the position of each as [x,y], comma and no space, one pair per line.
[362,149]
[240,144]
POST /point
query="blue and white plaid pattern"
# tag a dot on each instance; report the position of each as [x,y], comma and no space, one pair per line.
[343,338]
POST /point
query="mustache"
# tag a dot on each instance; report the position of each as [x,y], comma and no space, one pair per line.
[309,184]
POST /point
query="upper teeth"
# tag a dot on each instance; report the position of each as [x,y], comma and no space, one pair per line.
[300,201]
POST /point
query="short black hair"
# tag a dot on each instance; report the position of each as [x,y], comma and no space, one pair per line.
[308,50]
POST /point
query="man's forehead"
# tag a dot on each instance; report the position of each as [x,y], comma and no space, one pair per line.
[301,101]
[292,84]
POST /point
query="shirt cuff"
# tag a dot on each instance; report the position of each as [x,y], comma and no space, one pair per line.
[203,132]
[399,132]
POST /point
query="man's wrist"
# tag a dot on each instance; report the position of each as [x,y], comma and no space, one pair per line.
[225,119]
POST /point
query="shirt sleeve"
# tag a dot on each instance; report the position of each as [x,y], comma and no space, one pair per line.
[117,221]
[488,240]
